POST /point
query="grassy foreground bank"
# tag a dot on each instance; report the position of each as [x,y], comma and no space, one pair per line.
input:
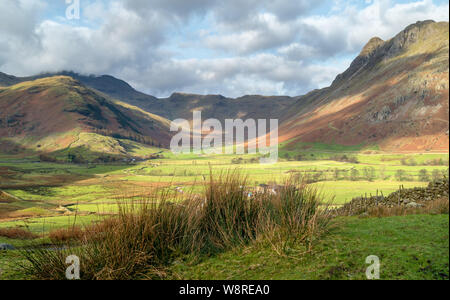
[412,247]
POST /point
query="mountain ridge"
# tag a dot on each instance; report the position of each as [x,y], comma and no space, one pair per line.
[394,94]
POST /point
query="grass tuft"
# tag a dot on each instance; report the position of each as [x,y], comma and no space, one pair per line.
[148,235]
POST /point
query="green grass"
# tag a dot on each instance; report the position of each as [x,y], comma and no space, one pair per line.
[9,266]
[344,191]
[95,187]
[411,247]
[299,147]
[43,225]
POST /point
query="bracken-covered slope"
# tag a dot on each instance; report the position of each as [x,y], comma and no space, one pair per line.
[394,95]
[56,113]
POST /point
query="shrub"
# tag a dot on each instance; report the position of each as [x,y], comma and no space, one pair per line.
[436,175]
[47,158]
[423,175]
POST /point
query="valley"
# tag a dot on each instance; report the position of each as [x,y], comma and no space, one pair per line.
[83,157]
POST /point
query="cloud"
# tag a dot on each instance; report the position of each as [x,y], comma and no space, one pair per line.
[18,19]
[349,30]
[229,47]
[124,39]
[266,74]
[265,32]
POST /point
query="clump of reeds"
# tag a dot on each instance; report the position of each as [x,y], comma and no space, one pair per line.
[148,234]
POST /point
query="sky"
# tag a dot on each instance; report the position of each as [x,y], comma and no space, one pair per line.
[229,47]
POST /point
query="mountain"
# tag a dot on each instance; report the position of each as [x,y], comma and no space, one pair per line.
[107,84]
[394,96]
[178,105]
[56,113]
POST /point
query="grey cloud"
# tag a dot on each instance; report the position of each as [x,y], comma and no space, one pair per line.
[292,9]
[18,20]
[262,74]
[172,9]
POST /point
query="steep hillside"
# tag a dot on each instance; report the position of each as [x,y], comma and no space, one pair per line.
[394,95]
[56,113]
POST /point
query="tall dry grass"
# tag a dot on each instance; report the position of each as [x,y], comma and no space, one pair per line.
[148,234]
[17,233]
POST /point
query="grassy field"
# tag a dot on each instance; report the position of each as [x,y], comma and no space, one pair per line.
[40,188]
[44,196]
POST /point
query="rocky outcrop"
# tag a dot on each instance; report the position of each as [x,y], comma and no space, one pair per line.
[6,247]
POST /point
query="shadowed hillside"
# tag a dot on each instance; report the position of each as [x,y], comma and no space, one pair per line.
[59,112]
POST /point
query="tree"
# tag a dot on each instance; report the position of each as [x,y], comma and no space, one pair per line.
[369,173]
[436,175]
[345,174]
[336,174]
[299,157]
[383,174]
[423,175]
[354,175]
[412,162]
[400,175]
[71,157]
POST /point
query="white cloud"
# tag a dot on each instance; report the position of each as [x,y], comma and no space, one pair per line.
[252,47]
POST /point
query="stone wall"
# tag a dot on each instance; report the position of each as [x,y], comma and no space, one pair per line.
[414,197]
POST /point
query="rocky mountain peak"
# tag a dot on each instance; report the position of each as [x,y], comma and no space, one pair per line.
[412,34]
[377,50]
[371,46]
